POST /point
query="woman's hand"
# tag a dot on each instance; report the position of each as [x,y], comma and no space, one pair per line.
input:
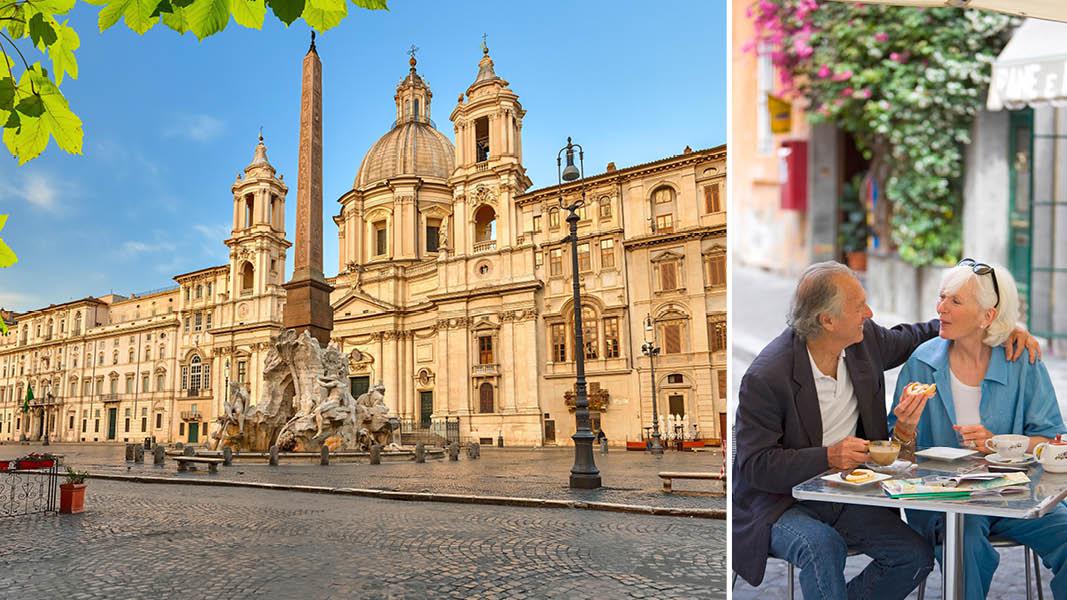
[975,436]
[1019,339]
[910,408]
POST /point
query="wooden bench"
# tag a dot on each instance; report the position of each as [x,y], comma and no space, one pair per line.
[212,463]
[669,476]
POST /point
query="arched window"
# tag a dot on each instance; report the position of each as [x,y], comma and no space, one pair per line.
[147,353]
[663,209]
[162,352]
[130,357]
[485,398]
[247,277]
[73,387]
[77,324]
[485,224]
[194,374]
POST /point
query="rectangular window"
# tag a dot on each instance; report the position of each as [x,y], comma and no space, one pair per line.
[85,425]
[185,378]
[611,337]
[380,240]
[716,270]
[553,219]
[208,324]
[181,428]
[144,383]
[676,406]
[129,385]
[537,223]
[539,258]
[159,420]
[71,425]
[607,254]
[672,338]
[198,322]
[712,198]
[159,382]
[668,276]
[242,371]
[186,324]
[144,424]
[127,425]
[559,343]
[605,209]
[555,262]
[664,223]
[485,350]
[433,235]
[584,264]
[717,334]
[96,425]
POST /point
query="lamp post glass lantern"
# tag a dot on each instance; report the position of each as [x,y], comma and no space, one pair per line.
[584,474]
[650,350]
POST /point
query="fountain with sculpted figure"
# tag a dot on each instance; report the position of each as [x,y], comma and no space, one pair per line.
[305,405]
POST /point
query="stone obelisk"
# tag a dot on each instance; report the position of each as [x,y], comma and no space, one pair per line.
[307,295]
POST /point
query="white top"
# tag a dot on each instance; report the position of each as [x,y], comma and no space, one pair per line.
[966,399]
[837,402]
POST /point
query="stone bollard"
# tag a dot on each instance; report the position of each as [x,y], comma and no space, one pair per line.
[375,454]
[453,451]
[179,446]
[188,451]
[138,454]
[474,450]
[158,456]
[420,453]
[324,456]
[227,456]
[274,455]
[129,452]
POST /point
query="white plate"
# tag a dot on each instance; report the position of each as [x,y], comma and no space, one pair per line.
[998,460]
[945,453]
[897,466]
[836,478]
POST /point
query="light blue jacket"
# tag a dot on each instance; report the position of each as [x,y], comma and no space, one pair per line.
[1017,397]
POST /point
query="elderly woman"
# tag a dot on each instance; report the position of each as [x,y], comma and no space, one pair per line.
[981,394]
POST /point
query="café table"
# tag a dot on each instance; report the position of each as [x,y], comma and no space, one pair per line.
[1044,492]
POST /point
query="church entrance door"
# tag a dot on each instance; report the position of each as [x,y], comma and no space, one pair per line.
[425,409]
[112,418]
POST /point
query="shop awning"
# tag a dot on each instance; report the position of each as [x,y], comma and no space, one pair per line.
[1041,9]
[1032,68]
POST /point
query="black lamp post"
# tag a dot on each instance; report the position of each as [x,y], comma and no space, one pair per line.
[650,350]
[584,474]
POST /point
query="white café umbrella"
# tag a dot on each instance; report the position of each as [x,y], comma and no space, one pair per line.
[1055,10]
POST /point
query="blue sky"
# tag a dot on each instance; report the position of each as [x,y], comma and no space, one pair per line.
[169,121]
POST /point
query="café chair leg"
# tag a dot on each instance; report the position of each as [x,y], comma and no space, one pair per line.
[922,589]
[789,585]
[1026,560]
[1037,574]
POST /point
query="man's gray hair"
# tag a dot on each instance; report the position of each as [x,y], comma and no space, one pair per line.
[816,294]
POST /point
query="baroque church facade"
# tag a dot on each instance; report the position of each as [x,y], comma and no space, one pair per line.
[454,289]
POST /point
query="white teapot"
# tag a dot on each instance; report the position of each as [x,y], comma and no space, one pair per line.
[1052,455]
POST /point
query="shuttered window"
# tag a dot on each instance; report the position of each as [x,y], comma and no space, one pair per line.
[559,343]
[712,198]
[668,276]
[672,338]
[717,334]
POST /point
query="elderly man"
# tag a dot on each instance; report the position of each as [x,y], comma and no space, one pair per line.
[808,403]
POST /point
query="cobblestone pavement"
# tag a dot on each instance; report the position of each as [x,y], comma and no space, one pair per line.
[628,477]
[755,322]
[1009,582]
[160,541]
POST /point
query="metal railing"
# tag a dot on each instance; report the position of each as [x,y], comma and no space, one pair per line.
[109,397]
[446,428]
[192,415]
[23,493]
[413,119]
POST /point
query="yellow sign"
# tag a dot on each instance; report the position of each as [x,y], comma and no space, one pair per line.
[781,112]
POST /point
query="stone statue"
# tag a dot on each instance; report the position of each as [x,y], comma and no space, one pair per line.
[305,404]
[442,235]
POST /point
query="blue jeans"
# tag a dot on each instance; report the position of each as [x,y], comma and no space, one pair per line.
[816,537]
[1046,535]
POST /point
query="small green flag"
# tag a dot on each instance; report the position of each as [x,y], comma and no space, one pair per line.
[29,396]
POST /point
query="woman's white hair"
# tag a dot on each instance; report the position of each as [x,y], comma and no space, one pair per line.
[1007,311]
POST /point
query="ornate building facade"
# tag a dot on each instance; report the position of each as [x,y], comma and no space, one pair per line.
[453,289]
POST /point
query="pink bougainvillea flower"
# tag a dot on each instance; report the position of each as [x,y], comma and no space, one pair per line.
[881,37]
[847,92]
[865,93]
[896,57]
[824,72]
[843,75]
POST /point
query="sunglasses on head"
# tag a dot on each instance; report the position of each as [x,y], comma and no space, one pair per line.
[982,269]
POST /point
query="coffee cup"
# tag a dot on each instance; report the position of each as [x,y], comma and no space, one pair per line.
[1009,446]
[882,452]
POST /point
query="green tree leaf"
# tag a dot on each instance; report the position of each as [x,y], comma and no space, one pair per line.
[371,4]
[7,257]
[249,13]
[41,31]
[62,52]
[31,106]
[325,14]
[208,17]
[7,93]
[57,121]
[137,13]
[53,7]
[287,11]
[177,19]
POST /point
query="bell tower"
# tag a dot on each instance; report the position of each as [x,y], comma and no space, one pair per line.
[487,122]
[257,241]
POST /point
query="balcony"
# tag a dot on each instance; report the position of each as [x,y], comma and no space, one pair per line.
[482,166]
[486,246]
[196,393]
[486,370]
[192,415]
[113,397]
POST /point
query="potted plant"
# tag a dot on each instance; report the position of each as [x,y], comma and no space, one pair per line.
[35,460]
[72,493]
[852,231]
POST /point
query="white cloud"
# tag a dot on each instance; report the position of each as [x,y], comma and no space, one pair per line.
[198,128]
[19,301]
[37,189]
[214,232]
[134,248]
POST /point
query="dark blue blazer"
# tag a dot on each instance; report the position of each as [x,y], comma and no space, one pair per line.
[779,427]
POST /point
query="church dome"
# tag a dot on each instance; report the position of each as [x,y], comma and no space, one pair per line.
[413,146]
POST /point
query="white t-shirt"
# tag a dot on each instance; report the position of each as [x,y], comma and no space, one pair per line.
[966,399]
[837,402]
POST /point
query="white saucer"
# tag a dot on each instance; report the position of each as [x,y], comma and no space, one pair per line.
[998,460]
[896,466]
[836,478]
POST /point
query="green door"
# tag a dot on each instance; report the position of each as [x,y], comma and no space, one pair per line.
[1020,203]
[112,418]
[425,409]
[194,433]
[360,385]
